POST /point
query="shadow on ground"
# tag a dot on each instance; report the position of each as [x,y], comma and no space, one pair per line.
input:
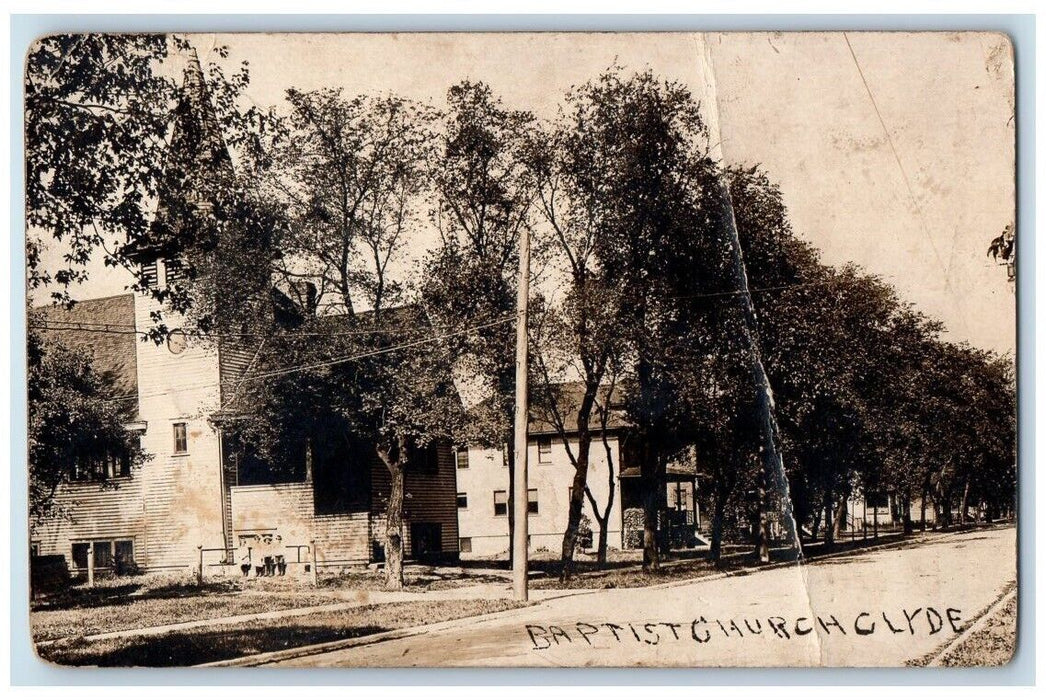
[194,647]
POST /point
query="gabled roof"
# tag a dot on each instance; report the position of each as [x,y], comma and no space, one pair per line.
[348,335]
[104,329]
[567,398]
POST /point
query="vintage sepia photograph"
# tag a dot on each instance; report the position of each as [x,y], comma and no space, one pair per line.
[521,349]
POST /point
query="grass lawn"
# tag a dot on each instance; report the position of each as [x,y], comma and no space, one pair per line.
[217,643]
[993,645]
[145,601]
[133,603]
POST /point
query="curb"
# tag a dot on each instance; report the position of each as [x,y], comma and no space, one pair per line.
[364,640]
[976,626]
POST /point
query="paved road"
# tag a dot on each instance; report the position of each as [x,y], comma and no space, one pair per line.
[878,608]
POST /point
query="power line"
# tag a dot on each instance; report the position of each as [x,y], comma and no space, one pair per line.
[738,292]
[130,329]
[904,173]
[126,329]
[325,363]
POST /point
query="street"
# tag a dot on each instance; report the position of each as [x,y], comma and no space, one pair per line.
[877,608]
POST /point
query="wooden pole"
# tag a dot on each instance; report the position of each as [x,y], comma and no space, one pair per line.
[519,504]
[90,565]
[199,565]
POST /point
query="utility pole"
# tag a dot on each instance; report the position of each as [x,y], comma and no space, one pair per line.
[519,477]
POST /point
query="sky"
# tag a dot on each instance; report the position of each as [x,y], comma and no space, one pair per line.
[894,151]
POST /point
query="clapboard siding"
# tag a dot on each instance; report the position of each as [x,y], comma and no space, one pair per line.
[287,510]
[96,512]
[183,498]
[171,503]
[428,498]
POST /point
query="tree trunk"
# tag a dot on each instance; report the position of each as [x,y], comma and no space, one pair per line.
[922,511]
[601,552]
[761,522]
[650,480]
[577,495]
[394,514]
[840,516]
[965,502]
[829,521]
[817,523]
[604,519]
[715,552]
[906,515]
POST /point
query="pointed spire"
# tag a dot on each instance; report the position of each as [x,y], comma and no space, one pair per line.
[198,164]
[197,137]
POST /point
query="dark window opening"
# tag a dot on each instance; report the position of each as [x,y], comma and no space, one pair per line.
[426,539]
[463,500]
[532,501]
[341,479]
[544,450]
[252,469]
[123,561]
[465,545]
[103,555]
[80,555]
[111,465]
[181,438]
[501,503]
[423,460]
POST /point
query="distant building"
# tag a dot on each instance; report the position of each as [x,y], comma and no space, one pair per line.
[483,488]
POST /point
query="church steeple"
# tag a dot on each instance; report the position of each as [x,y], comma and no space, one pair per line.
[197,169]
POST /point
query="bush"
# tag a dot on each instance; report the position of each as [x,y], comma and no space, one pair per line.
[584,534]
[49,573]
[633,525]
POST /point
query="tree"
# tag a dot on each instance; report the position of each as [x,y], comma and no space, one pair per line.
[350,172]
[582,335]
[649,143]
[483,192]
[74,424]
[98,113]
